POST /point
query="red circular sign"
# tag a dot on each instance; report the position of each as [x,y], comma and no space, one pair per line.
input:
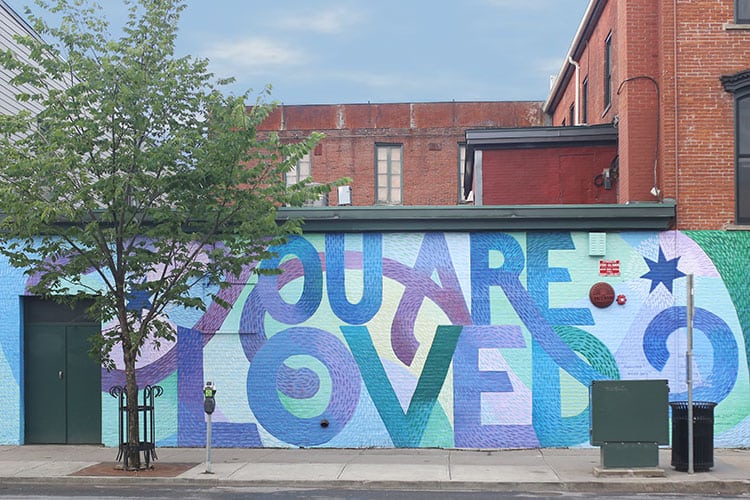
[602,294]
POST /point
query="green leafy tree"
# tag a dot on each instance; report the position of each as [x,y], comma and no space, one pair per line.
[137,170]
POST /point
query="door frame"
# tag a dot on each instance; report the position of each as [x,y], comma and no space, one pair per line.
[68,322]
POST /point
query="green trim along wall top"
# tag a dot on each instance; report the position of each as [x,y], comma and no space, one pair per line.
[634,216]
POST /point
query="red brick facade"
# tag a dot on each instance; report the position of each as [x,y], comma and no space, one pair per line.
[675,120]
[542,176]
[429,133]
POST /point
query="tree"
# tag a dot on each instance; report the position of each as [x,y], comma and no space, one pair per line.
[138,170]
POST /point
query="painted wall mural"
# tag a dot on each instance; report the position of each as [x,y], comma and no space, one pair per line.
[471,340]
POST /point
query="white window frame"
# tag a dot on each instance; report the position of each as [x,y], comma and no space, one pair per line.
[389,174]
[301,171]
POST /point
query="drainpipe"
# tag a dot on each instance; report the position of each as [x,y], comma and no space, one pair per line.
[577,66]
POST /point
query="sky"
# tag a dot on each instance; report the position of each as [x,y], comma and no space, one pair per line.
[381,51]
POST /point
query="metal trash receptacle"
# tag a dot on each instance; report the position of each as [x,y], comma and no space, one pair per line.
[703,435]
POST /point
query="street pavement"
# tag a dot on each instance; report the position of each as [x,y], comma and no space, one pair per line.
[530,470]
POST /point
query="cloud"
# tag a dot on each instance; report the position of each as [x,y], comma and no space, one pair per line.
[330,22]
[254,54]
[535,5]
[383,86]
[511,3]
[550,65]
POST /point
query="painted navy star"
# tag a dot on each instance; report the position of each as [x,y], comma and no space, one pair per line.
[662,271]
[138,300]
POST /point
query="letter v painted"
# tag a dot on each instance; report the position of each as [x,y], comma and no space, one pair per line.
[405,429]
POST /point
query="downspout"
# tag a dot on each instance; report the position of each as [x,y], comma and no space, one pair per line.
[676,116]
[577,66]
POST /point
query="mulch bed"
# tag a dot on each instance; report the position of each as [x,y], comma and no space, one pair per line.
[114,469]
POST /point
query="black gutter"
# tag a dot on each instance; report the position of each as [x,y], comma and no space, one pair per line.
[541,136]
[635,216]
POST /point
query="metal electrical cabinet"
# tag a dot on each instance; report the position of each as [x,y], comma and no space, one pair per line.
[629,420]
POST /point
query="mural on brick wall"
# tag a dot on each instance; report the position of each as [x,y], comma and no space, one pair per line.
[481,340]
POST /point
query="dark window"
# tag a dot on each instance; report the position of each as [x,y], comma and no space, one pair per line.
[461,172]
[608,71]
[572,116]
[585,101]
[739,85]
[743,159]
[742,11]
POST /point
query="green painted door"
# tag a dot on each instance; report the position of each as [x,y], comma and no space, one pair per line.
[62,384]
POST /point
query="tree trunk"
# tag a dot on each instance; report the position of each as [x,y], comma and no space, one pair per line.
[133,460]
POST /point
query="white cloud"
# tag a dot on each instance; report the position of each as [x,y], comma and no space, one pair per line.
[254,54]
[401,86]
[535,5]
[511,3]
[550,65]
[330,22]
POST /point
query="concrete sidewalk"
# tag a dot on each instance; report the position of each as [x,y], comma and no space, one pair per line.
[535,470]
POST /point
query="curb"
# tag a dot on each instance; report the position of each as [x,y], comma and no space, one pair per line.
[734,487]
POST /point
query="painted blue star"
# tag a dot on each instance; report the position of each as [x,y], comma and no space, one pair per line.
[662,271]
[138,300]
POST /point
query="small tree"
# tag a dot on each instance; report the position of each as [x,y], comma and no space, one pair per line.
[138,170]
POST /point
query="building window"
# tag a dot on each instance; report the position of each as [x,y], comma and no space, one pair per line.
[585,101]
[300,172]
[388,174]
[739,84]
[743,159]
[572,114]
[742,11]
[608,72]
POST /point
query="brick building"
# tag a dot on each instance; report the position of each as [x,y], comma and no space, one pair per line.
[651,88]
[672,77]
[409,154]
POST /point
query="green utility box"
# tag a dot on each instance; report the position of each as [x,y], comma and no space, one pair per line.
[629,420]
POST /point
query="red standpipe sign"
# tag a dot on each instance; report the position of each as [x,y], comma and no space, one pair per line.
[609,268]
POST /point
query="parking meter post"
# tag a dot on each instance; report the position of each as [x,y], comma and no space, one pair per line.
[209,404]
[208,445]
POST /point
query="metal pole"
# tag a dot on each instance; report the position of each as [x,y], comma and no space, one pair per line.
[689,359]
[208,445]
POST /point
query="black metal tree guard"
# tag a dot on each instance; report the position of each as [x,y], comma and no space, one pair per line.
[147,439]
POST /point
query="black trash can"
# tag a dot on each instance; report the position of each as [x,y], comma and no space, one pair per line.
[703,435]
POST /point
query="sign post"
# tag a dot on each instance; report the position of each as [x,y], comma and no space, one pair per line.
[689,360]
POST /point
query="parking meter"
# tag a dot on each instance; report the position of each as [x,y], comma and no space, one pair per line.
[209,404]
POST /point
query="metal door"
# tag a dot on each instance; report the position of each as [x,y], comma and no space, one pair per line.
[62,384]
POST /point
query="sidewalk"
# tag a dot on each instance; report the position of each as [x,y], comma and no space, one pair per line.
[536,470]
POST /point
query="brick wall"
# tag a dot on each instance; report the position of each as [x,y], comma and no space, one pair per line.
[591,62]
[547,175]
[698,156]
[429,132]
[693,118]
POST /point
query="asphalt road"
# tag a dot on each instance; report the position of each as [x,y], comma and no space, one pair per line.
[76,492]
